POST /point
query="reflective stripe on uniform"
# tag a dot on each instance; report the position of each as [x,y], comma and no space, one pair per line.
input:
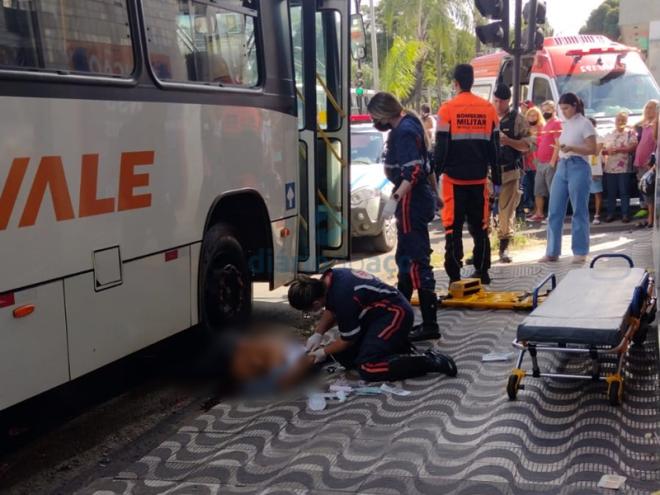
[351,333]
[474,135]
[375,289]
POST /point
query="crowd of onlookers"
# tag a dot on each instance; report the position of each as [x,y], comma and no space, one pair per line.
[624,163]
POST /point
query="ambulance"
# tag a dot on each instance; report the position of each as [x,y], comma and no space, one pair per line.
[608,76]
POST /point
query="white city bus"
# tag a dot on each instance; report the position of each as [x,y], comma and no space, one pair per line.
[154,164]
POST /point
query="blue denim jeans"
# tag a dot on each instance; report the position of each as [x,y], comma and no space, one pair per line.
[618,183]
[528,189]
[571,182]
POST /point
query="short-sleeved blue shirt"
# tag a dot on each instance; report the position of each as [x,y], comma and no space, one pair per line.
[352,294]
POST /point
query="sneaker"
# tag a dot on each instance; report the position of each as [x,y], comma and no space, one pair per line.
[441,363]
[549,259]
[596,220]
[625,219]
[424,332]
[536,218]
[579,259]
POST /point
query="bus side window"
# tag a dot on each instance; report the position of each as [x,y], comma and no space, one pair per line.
[74,36]
[198,42]
[541,91]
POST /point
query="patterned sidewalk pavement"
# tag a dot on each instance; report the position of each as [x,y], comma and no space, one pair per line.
[449,436]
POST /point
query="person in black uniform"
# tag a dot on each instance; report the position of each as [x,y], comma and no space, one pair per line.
[374,320]
[414,201]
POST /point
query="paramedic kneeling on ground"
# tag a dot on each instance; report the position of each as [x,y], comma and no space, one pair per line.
[466,146]
[373,319]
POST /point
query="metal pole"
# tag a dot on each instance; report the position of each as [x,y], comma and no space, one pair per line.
[374,46]
[517,54]
[358,98]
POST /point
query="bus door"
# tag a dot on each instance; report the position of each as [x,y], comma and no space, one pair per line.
[321,44]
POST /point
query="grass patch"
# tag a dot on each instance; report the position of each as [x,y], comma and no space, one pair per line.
[518,241]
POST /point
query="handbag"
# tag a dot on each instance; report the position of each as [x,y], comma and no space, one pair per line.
[647,182]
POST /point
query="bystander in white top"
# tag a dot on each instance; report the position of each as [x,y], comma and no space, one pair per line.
[575,131]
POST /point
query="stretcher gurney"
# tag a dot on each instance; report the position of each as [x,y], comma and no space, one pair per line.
[470,294]
[592,312]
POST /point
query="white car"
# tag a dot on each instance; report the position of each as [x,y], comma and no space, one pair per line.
[370,189]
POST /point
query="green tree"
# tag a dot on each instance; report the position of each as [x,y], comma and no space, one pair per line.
[604,20]
[423,39]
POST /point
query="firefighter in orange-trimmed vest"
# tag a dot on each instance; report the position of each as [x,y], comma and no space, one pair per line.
[466,149]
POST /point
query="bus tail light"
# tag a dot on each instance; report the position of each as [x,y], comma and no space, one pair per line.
[23,311]
[7,300]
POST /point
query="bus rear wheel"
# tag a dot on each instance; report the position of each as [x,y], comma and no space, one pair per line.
[226,287]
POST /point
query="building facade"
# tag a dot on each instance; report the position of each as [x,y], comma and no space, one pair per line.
[639,21]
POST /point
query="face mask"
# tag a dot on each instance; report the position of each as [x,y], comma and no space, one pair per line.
[547,115]
[382,127]
[533,123]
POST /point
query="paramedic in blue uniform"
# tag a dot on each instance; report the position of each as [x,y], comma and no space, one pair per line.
[413,201]
[374,320]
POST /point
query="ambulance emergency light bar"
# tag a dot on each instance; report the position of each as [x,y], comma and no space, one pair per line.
[581,52]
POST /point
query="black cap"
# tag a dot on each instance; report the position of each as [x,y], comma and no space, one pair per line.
[502,92]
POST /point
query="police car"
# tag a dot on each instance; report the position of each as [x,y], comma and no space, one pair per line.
[370,189]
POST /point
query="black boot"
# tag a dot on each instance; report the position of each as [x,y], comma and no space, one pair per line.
[440,363]
[504,251]
[483,276]
[428,304]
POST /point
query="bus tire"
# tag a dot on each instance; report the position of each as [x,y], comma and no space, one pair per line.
[226,285]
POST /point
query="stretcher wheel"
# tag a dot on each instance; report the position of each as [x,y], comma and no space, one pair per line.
[615,393]
[512,386]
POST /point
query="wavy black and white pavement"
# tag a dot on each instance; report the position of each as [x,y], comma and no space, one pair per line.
[450,436]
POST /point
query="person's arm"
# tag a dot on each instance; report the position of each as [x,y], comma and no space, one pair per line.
[524,144]
[589,147]
[433,182]
[494,151]
[442,139]
[631,145]
[555,153]
[337,346]
[517,144]
[326,322]
[410,159]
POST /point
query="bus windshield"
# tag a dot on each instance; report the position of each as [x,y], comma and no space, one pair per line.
[605,95]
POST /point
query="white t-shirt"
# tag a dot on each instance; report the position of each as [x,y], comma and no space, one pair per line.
[574,133]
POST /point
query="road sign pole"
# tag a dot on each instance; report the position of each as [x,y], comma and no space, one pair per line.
[517,54]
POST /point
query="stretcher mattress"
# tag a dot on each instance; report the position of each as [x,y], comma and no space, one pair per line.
[589,306]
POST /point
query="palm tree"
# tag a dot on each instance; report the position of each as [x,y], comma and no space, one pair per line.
[425,29]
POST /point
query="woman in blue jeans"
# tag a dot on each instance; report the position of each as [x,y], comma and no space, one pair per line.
[572,181]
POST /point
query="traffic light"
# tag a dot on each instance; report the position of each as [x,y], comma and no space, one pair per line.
[359,83]
[534,15]
[496,33]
